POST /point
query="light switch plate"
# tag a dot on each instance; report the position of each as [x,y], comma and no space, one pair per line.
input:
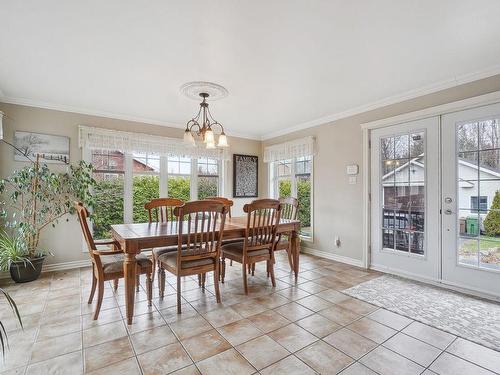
[352,169]
[353,180]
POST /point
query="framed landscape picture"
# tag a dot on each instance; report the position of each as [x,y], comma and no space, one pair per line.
[245,176]
[51,148]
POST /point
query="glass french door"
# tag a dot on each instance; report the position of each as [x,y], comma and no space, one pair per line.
[405,199]
[471,199]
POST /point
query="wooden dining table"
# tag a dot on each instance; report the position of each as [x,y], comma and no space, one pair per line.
[134,238]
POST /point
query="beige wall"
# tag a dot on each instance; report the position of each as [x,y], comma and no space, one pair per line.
[65,241]
[338,206]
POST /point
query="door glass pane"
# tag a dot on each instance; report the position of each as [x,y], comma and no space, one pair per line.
[403,192]
[478,163]
[145,188]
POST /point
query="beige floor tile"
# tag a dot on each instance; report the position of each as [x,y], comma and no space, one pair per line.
[66,364]
[290,365]
[339,315]
[359,307]
[105,317]
[240,331]
[358,369]
[350,343]
[126,367]
[292,337]
[430,335]
[293,293]
[262,351]
[390,319]
[107,332]
[293,311]
[268,321]
[170,313]
[107,353]
[59,327]
[228,362]
[371,329]
[16,371]
[189,370]
[205,345]
[416,350]
[312,287]
[151,339]
[272,301]
[314,303]
[447,364]
[385,361]
[46,349]
[480,355]
[248,308]
[164,360]
[221,317]
[145,322]
[318,325]
[332,295]
[19,353]
[323,358]
[190,327]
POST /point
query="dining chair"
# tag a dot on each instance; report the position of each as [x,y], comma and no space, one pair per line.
[263,216]
[161,210]
[289,211]
[226,201]
[108,264]
[200,232]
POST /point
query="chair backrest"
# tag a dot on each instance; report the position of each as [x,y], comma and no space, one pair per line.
[289,208]
[161,210]
[83,215]
[201,227]
[227,202]
[263,215]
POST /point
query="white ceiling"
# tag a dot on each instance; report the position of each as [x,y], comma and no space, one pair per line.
[286,63]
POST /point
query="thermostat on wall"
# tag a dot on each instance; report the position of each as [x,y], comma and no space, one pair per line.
[352,169]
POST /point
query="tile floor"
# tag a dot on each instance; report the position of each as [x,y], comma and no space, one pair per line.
[304,328]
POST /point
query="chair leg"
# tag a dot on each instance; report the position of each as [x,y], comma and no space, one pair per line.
[216,282]
[92,290]
[223,270]
[178,294]
[115,285]
[159,278]
[230,262]
[153,258]
[267,269]
[245,284]
[161,281]
[271,271]
[149,287]
[203,279]
[290,260]
[137,282]
[100,295]
[199,279]
[253,269]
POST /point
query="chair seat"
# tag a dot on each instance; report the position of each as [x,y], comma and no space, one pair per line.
[157,251]
[170,259]
[114,263]
[235,250]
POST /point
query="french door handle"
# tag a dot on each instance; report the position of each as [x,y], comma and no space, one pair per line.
[448,212]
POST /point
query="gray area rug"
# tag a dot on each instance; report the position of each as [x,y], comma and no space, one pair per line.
[471,318]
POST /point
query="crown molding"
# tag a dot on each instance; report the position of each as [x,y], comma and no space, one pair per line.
[408,95]
[111,115]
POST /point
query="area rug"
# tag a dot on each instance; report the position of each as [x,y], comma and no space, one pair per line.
[465,316]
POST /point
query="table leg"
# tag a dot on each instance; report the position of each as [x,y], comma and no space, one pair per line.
[296,252]
[129,272]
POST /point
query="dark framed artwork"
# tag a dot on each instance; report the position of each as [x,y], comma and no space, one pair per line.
[245,176]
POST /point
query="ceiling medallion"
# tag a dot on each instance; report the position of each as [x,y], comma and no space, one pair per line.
[202,125]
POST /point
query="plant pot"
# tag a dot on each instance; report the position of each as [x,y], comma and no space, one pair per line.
[25,272]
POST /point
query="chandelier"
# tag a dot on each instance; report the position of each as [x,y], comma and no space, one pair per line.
[203,126]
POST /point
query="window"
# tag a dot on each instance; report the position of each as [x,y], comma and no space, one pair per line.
[145,183]
[293,178]
[179,178]
[479,203]
[208,178]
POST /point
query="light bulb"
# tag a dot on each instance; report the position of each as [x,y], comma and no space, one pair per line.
[222,141]
[188,137]
[209,136]
[210,145]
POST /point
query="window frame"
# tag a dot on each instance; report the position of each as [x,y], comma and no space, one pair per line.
[274,179]
[477,199]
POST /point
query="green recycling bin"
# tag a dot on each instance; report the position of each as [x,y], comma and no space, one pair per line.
[472,224]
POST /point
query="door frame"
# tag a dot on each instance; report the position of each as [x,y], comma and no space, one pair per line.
[440,110]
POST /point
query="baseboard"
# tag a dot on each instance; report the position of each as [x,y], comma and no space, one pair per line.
[335,257]
[440,283]
[57,267]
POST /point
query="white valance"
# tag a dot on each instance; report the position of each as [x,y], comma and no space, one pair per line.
[289,150]
[126,142]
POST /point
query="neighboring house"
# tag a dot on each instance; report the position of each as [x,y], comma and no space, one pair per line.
[112,162]
[404,189]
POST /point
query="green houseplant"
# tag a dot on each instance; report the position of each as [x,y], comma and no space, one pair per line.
[35,198]
[3,333]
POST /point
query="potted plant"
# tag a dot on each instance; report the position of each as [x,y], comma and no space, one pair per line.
[36,198]
[3,333]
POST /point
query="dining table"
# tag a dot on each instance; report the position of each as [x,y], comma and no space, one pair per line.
[134,238]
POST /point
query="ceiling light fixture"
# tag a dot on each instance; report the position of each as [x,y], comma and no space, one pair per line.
[203,125]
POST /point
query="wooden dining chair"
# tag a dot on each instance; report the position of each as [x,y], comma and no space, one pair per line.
[289,211]
[200,232]
[263,216]
[108,264]
[161,210]
[226,201]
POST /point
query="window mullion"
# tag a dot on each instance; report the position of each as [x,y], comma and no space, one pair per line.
[194,180]
[163,176]
[128,190]
[293,178]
